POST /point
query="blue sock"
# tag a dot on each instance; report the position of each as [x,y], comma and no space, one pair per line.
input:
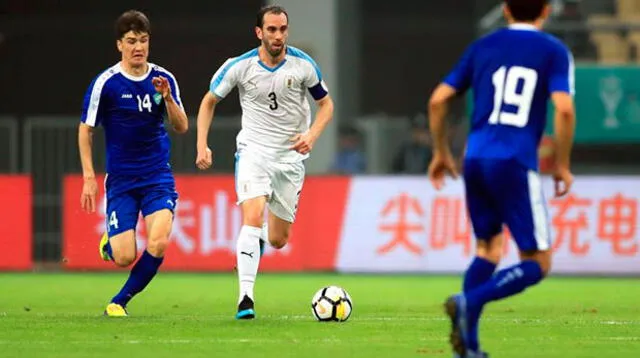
[505,283]
[479,272]
[140,276]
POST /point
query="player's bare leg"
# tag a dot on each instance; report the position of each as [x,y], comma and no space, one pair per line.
[120,248]
[543,258]
[275,232]
[123,248]
[158,226]
[278,230]
[491,250]
[248,253]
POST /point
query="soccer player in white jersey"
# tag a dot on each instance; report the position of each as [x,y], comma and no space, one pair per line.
[275,138]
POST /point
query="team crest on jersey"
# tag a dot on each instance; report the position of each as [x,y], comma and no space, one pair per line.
[157,98]
[289,82]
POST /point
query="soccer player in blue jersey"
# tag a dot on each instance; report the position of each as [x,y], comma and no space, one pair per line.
[130,100]
[513,73]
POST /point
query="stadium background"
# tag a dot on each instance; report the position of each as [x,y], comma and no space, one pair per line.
[381,60]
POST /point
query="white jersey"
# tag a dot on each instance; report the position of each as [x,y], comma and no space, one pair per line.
[273,100]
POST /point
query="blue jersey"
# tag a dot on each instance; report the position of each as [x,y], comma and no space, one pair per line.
[512,72]
[132,115]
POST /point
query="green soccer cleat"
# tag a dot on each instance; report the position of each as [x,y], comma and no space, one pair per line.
[115,310]
[102,248]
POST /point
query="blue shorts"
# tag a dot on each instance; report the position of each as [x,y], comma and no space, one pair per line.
[127,196]
[504,192]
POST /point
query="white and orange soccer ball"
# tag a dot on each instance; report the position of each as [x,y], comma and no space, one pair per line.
[331,303]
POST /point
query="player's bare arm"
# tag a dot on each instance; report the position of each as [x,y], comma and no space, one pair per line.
[564,128]
[177,117]
[204,158]
[90,187]
[303,143]
[442,162]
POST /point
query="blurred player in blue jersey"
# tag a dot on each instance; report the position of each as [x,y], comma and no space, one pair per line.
[513,73]
[130,100]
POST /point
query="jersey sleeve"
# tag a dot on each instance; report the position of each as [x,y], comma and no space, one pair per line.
[94,103]
[562,76]
[461,76]
[225,79]
[175,89]
[313,79]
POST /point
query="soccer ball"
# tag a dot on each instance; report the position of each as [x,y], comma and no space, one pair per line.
[331,303]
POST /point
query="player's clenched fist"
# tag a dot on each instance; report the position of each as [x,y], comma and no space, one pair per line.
[161,85]
[204,160]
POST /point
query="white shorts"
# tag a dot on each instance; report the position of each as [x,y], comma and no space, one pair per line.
[281,183]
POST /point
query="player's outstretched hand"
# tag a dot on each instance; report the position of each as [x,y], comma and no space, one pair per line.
[88,196]
[563,180]
[162,86]
[204,160]
[302,143]
[441,165]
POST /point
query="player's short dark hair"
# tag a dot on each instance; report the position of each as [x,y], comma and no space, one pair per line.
[526,10]
[270,9]
[132,20]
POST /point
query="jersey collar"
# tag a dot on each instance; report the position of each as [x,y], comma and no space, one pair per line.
[135,78]
[273,69]
[521,26]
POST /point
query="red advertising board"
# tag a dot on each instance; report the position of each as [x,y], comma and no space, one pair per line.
[206,225]
[15,223]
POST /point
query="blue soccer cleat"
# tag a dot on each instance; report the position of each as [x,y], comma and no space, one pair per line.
[245,309]
[456,308]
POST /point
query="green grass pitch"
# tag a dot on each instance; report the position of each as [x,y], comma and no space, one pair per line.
[191,315]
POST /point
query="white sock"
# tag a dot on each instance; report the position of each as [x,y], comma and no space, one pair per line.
[265,233]
[248,256]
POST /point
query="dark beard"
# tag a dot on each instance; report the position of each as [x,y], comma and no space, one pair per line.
[275,53]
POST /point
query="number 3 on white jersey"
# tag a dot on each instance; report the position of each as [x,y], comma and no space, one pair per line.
[505,83]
